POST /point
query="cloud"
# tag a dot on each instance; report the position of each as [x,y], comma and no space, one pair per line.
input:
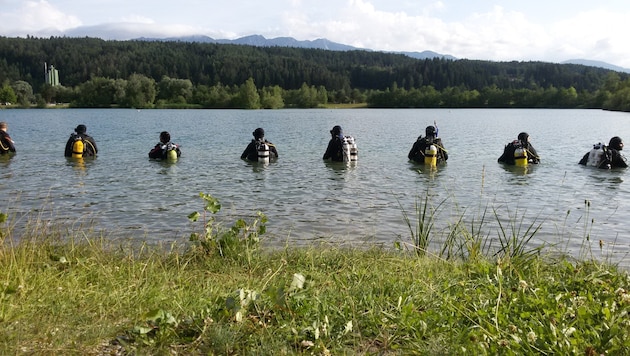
[34,17]
[464,29]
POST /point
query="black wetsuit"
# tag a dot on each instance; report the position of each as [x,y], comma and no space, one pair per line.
[334,151]
[508,153]
[251,152]
[612,158]
[161,149]
[417,150]
[89,145]
[6,143]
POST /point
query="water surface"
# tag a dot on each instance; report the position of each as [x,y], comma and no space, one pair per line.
[306,199]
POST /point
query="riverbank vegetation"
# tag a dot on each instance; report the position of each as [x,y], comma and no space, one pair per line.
[156,74]
[74,291]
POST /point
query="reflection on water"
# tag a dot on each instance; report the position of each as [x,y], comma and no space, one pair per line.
[518,170]
[307,198]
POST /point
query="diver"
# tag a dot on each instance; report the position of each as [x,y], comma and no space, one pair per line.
[80,144]
[165,149]
[260,150]
[519,152]
[428,149]
[6,143]
[341,148]
[606,157]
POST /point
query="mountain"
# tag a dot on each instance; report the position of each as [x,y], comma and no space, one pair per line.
[320,43]
[599,64]
[427,54]
[261,41]
[123,30]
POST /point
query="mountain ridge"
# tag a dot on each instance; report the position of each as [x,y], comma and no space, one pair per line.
[320,43]
[123,31]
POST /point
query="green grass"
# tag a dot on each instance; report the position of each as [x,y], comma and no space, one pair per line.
[76,292]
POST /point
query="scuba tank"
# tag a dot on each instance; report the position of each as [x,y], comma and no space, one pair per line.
[354,150]
[263,151]
[345,148]
[350,150]
[520,156]
[170,153]
[597,156]
[430,155]
[77,147]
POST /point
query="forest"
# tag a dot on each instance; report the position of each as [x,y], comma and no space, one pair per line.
[99,73]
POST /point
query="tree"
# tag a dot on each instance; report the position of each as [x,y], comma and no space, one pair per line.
[7,95]
[271,98]
[248,97]
[24,92]
[175,90]
[98,92]
[140,92]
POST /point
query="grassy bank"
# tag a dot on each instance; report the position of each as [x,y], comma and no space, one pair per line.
[74,292]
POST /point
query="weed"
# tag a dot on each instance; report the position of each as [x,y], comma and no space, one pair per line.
[421,227]
[241,237]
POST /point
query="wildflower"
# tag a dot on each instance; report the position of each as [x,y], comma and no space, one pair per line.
[522,284]
[568,331]
[531,336]
[307,344]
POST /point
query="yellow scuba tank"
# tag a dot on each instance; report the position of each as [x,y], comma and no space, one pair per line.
[520,157]
[430,155]
[77,148]
[171,155]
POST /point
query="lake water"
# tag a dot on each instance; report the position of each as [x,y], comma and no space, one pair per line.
[306,199]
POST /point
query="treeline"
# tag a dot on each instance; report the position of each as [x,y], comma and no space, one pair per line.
[98,73]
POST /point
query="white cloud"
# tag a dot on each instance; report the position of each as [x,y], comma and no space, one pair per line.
[35,16]
[474,30]
[137,19]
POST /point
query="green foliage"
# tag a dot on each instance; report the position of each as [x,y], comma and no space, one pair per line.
[175,90]
[7,95]
[238,241]
[24,92]
[218,76]
[421,226]
[140,92]
[247,97]
[3,230]
[72,292]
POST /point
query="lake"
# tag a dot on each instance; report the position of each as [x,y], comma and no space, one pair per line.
[125,194]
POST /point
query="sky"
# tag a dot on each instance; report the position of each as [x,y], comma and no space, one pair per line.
[507,30]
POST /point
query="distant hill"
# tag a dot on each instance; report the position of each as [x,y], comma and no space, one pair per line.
[599,64]
[320,43]
[427,54]
[261,41]
[123,31]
